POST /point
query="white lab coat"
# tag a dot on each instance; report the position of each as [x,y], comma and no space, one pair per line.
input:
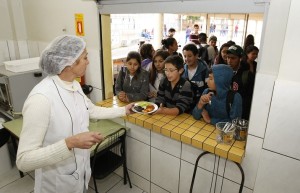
[69,116]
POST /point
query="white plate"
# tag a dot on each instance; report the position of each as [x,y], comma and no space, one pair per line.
[144,104]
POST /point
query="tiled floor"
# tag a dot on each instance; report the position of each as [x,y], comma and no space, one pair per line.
[10,182]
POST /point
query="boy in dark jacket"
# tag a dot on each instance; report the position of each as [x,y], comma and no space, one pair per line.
[213,102]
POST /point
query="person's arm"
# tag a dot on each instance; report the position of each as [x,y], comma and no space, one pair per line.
[204,99]
[31,155]
[168,111]
[96,112]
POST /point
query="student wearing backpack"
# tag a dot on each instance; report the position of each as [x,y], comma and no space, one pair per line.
[203,52]
[213,104]
[132,83]
[195,70]
[243,79]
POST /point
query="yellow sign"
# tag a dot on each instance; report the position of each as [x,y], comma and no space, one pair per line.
[79,24]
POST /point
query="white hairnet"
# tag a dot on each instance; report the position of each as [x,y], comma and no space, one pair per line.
[63,51]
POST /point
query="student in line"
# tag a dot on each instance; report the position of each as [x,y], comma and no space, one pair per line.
[132,83]
[174,96]
[157,73]
[171,45]
[146,51]
[195,70]
[212,105]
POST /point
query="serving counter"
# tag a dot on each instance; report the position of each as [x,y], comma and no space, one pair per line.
[186,129]
[162,151]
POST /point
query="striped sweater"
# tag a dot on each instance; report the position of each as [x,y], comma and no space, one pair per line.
[180,96]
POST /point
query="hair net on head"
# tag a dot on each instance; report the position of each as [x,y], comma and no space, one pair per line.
[63,51]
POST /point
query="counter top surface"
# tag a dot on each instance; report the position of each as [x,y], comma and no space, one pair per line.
[184,128]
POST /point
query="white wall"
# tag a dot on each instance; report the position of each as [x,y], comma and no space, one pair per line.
[279,166]
[40,21]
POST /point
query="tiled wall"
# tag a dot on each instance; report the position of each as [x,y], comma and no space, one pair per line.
[160,164]
[13,50]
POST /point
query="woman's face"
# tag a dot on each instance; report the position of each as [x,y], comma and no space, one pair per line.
[252,55]
[189,58]
[132,66]
[159,63]
[174,46]
[79,67]
[172,73]
[224,53]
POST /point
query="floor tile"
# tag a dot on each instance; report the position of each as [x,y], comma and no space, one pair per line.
[22,185]
[9,177]
[121,188]
[105,184]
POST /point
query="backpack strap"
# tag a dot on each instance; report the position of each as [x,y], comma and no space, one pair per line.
[229,101]
[245,76]
[123,74]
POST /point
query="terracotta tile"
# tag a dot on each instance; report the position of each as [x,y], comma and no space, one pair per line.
[166,130]
[190,121]
[194,129]
[240,144]
[197,141]
[199,124]
[209,145]
[222,150]
[209,127]
[176,133]
[148,123]
[157,126]
[184,126]
[236,154]
[187,136]
[174,122]
[204,133]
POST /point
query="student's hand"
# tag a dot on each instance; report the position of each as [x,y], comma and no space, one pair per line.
[128,108]
[123,97]
[152,94]
[160,109]
[205,116]
[83,140]
[204,99]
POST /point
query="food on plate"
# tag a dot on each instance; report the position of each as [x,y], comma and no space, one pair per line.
[138,108]
[148,108]
[144,107]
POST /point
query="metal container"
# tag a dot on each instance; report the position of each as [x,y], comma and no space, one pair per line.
[241,129]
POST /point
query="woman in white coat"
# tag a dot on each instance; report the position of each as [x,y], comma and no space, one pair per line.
[55,140]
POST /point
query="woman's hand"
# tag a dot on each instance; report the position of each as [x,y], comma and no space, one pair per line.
[128,108]
[83,140]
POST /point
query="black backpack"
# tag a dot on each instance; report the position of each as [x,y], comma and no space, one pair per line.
[203,53]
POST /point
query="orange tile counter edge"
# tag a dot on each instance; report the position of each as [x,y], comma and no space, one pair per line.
[182,128]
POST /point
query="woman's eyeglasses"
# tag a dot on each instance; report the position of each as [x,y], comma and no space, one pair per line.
[170,69]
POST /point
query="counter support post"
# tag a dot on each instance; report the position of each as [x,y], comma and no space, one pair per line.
[196,166]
